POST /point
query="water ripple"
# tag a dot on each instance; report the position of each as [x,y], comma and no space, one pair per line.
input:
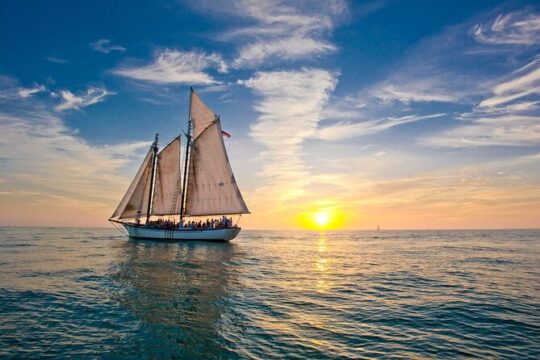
[87,293]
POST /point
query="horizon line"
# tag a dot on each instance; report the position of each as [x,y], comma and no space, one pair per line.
[304,230]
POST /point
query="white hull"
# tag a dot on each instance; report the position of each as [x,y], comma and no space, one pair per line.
[141,232]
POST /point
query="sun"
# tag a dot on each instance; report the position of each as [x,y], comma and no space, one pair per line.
[322,218]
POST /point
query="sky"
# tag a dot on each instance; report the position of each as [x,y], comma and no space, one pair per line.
[398,114]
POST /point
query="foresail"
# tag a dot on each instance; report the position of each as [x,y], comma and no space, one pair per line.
[135,200]
[211,188]
[167,192]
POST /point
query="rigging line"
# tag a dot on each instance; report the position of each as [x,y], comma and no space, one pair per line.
[170,143]
[120,229]
[174,201]
[239,194]
[216,119]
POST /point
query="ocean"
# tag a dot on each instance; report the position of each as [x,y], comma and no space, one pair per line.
[92,293]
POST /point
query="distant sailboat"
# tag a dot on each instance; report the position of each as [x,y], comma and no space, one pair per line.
[207,187]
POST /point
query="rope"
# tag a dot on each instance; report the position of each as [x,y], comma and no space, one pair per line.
[122,230]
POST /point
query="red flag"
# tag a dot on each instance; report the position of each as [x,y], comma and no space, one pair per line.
[226,134]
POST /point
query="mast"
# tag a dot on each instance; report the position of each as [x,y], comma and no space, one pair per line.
[188,142]
[150,193]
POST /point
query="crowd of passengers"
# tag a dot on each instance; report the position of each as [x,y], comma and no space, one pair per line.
[208,224]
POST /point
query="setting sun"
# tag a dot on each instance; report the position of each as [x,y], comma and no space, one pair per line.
[326,218]
[322,218]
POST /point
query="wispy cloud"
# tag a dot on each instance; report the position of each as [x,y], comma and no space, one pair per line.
[491,98]
[26,92]
[105,46]
[281,31]
[291,104]
[506,130]
[419,91]
[49,171]
[173,66]
[515,28]
[91,96]
[506,114]
[290,109]
[345,130]
[69,173]
[56,60]
[9,88]
[521,83]
[126,150]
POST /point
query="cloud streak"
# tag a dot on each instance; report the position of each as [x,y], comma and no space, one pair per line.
[278,31]
[176,67]
[419,91]
[50,174]
[91,96]
[290,108]
[522,83]
[506,116]
[505,130]
[484,108]
[105,46]
[515,28]
[27,92]
[347,130]
[56,60]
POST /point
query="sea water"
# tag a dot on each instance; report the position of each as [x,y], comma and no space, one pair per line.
[93,293]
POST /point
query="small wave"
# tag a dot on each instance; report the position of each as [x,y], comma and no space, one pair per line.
[426,294]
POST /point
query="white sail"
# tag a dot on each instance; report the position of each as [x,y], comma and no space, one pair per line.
[211,188]
[135,201]
[167,192]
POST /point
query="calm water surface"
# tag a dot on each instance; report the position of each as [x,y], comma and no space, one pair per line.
[92,293]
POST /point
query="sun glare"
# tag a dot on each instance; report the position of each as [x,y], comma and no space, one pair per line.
[322,218]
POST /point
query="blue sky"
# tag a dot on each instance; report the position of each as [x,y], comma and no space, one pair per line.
[404,113]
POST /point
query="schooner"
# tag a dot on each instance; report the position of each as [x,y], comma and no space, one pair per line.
[204,187]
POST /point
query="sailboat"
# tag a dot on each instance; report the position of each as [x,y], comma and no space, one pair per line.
[162,192]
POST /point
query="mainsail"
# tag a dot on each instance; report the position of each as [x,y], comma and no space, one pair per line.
[135,201]
[211,186]
[167,192]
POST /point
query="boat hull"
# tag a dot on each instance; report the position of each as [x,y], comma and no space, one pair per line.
[142,232]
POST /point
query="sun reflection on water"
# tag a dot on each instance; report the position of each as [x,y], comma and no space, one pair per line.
[322,264]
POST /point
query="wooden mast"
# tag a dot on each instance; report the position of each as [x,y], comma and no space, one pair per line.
[188,143]
[150,193]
